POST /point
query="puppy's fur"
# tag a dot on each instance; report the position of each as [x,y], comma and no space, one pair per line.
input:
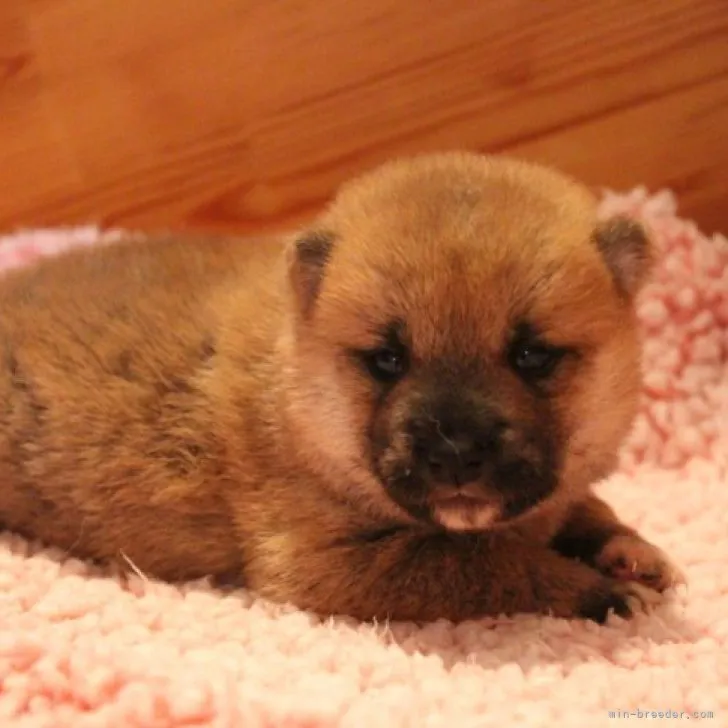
[397,413]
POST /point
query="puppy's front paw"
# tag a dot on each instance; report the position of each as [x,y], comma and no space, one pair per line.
[623,598]
[627,557]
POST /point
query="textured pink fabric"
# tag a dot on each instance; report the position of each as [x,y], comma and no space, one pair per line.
[83,648]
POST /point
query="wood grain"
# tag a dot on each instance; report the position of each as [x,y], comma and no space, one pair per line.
[245,114]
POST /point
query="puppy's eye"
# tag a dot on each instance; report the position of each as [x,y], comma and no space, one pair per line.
[533,361]
[387,364]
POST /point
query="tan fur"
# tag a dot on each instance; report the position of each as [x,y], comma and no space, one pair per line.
[175,400]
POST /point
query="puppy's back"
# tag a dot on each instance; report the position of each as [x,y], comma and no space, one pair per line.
[103,431]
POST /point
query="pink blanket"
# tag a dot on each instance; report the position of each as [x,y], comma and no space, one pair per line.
[81,648]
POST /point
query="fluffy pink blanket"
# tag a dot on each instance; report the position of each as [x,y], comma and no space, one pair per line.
[82,648]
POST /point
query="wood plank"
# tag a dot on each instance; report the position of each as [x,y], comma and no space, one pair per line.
[245,114]
[29,138]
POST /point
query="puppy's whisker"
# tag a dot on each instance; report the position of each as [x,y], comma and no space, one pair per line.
[133,566]
[71,548]
[443,436]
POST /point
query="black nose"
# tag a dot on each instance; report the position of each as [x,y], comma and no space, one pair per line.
[454,461]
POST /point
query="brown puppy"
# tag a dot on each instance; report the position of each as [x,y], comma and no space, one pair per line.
[396,414]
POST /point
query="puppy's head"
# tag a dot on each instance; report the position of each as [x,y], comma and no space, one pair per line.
[463,345]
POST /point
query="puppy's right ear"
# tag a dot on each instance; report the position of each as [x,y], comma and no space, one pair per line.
[308,256]
[628,252]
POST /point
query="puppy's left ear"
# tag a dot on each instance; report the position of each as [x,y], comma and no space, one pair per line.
[308,256]
[628,252]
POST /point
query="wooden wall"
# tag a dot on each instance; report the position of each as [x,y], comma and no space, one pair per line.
[245,114]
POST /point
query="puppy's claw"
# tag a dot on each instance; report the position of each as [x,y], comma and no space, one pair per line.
[628,557]
[623,598]
[641,598]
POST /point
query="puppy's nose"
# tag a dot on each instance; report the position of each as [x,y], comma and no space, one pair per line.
[454,461]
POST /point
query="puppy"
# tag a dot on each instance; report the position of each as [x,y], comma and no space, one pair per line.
[396,414]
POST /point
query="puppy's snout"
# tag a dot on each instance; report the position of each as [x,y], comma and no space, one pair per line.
[454,440]
[454,461]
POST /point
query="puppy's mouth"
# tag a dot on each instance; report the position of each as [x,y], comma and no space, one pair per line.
[471,507]
[464,509]
[476,506]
